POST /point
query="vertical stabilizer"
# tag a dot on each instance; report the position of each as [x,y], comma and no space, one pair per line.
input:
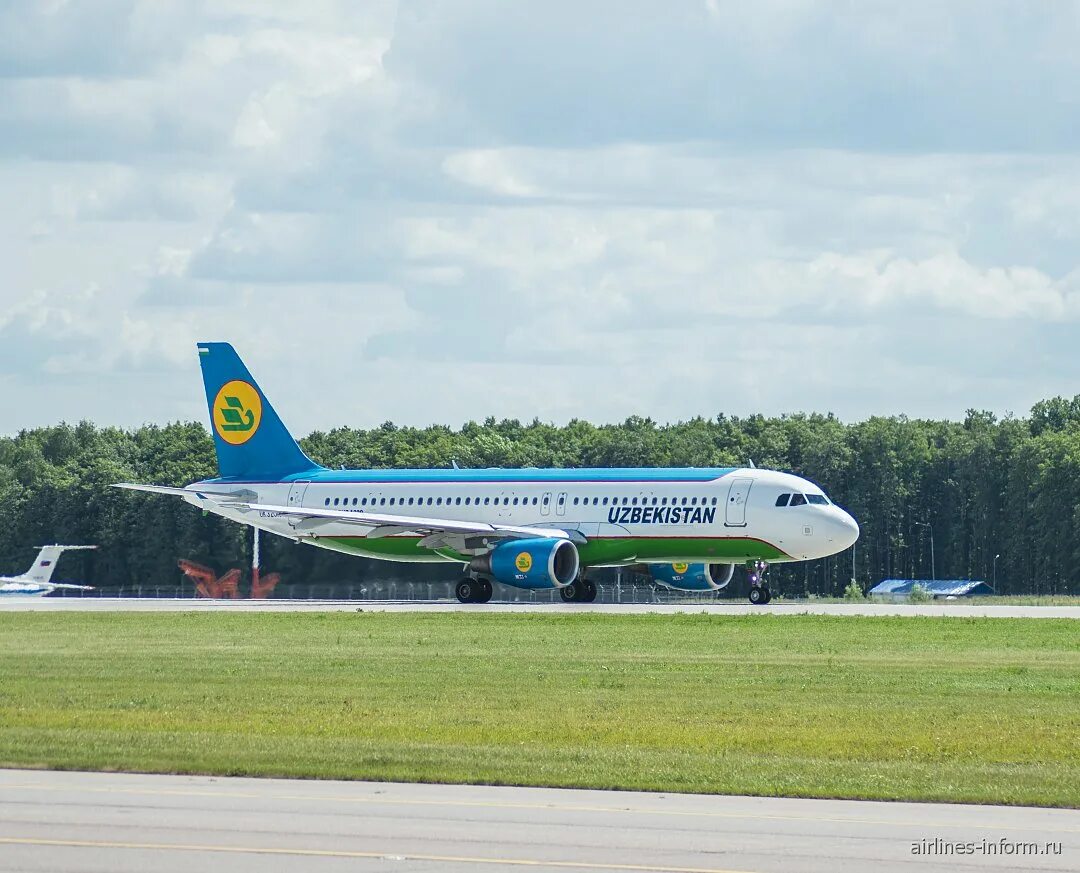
[45,563]
[251,441]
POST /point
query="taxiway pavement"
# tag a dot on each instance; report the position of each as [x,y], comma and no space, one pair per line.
[114,604]
[95,822]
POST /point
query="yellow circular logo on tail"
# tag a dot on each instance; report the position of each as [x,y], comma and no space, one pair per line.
[523,562]
[680,568]
[237,412]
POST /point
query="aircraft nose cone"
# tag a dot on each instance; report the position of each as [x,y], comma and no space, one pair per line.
[848,534]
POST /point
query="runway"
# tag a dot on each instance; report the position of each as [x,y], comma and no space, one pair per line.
[113,604]
[91,822]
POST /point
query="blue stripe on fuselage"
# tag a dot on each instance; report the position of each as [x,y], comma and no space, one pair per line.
[526,476]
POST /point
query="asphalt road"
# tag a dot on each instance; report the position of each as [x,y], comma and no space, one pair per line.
[112,604]
[96,822]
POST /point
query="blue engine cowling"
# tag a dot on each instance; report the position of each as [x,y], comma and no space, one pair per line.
[692,577]
[543,562]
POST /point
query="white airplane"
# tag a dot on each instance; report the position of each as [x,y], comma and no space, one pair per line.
[35,581]
[525,528]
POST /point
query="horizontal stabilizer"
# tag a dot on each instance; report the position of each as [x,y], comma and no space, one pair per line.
[242,494]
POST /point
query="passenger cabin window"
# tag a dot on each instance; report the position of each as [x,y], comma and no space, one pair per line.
[818,499]
[783,499]
[797,500]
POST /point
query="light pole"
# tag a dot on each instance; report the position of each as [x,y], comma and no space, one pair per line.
[933,564]
[995,572]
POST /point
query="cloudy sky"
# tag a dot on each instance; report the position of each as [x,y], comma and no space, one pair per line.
[434,211]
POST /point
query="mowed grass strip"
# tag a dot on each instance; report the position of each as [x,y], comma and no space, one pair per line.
[950,709]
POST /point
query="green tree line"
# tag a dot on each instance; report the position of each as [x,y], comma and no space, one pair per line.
[985,486]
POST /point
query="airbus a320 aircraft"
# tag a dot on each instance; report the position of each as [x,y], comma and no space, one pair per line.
[527,528]
[35,581]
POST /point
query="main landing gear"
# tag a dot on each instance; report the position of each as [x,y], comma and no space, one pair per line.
[759,587]
[579,591]
[471,590]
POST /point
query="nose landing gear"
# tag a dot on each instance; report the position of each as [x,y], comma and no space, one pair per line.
[759,587]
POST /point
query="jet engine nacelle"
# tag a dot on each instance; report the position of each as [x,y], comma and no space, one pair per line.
[543,562]
[692,577]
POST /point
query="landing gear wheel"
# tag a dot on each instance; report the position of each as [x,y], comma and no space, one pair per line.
[569,594]
[467,590]
[483,593]
[588,592]
[759,588]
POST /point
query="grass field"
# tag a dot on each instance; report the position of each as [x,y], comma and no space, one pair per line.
[955,709]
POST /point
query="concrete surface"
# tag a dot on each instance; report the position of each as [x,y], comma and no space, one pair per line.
[112,604]
[96,822]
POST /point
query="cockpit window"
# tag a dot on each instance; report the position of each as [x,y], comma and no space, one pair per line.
[797,500]
[818,499]
[783,499]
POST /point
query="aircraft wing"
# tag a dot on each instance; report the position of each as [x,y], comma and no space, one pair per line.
[438,532]
[382,524]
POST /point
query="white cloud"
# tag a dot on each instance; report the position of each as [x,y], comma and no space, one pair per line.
[450,210]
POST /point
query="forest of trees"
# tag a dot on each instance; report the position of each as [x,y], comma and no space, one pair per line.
[986,485]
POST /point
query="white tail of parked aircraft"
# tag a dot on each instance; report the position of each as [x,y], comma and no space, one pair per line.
[37,580]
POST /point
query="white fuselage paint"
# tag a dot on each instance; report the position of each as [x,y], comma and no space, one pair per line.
[739,506]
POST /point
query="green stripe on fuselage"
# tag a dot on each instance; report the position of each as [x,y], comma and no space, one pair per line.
[595,552]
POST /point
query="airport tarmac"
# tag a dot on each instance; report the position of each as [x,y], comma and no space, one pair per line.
[91,822]
[114,604]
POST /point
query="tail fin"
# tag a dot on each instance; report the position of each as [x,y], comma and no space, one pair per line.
[251,441]
[45,563]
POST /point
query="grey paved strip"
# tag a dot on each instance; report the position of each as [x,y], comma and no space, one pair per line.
[90,822]
[110,604]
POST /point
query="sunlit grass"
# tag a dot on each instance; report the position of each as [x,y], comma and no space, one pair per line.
[980,710]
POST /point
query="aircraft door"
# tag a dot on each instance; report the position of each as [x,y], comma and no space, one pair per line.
[560,504]
[545,503]
[736,504]
[296,494]
[296,499]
